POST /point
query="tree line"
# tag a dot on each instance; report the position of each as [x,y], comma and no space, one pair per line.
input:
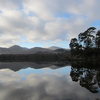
[35,57]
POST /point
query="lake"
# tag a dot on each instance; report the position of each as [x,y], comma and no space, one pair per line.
[48,81]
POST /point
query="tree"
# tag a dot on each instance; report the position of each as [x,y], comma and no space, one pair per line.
[97,40]
[87,44]
[86,37]
[74,44]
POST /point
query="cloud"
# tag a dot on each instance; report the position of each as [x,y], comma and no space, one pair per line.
[10,4]
[53,20]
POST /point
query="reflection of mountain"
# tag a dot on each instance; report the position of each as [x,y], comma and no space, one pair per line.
[87,76]
[15,66]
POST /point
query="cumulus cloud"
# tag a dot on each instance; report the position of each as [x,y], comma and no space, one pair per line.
[53,20]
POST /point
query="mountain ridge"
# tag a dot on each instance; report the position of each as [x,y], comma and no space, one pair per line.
[16,49]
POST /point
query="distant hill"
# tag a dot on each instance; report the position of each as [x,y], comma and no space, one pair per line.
[39,49]
[22,50]
[53,48]
[13,50]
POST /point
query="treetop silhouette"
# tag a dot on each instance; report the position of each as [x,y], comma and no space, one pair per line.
[86,41]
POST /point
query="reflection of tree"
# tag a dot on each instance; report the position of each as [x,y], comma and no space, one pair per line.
[88,78]
[98,78]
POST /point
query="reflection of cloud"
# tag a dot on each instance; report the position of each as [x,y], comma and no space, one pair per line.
[8,76]
[41,87]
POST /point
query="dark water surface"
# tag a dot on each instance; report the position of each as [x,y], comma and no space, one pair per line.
[48,81]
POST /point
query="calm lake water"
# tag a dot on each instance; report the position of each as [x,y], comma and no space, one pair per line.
[48,81]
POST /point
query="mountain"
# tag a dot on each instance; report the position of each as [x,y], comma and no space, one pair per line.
[16,47]
[39,50]
[13,50]
[60,50]
[53,48]
[22,50]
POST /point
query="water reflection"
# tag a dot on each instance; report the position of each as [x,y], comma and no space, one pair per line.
[50,84]
[16,66]
[88,78]
[87,74]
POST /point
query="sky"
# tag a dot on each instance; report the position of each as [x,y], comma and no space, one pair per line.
[45,23]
